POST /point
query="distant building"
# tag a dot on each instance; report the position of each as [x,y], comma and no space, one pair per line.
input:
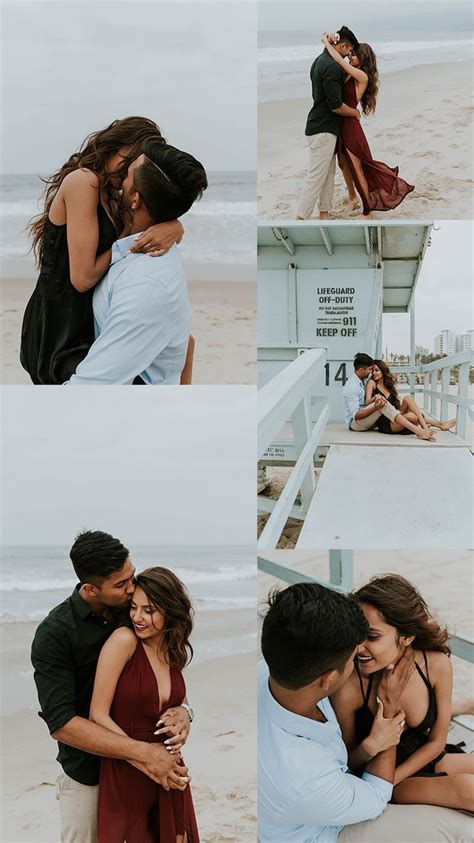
[464,342]
[421,351]
[445,343]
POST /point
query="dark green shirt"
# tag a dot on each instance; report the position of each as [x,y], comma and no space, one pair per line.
[327,80]
[64,654]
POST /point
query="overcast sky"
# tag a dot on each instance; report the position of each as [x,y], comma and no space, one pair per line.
[161,466]
[70,68]
[367,16]
[444,293]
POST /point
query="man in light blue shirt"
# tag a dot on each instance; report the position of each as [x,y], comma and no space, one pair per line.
[310,637]
[142,314]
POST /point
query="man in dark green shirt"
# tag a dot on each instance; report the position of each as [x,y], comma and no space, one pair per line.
[64,654]
[322,126]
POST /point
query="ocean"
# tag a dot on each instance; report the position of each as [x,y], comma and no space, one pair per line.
[285,57]
[219,229]
[219,580]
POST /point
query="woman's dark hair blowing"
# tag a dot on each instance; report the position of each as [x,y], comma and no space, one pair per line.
[168,594]
[368,63]
[130,133]
[389,382]
[402,606]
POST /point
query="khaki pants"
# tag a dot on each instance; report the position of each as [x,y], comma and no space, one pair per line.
[320,182]
[78,810]
[367,423]
[411,824]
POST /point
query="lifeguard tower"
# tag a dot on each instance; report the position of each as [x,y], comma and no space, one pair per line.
[322,293]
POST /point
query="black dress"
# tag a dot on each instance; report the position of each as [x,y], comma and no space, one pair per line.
[412,738]
[383,424]
[58,325]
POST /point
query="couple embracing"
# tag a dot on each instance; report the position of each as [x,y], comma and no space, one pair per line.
[354,705]
[372,402]
[108,667]
[344,77]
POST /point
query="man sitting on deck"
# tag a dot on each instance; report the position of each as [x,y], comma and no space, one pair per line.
[360,417]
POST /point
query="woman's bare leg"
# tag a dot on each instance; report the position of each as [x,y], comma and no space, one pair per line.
[408,420]
[346,172]
[187,373]
[456,762]
[361,179]
[456,791]
[409,405]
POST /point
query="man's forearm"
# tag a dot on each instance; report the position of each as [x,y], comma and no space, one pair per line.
[346,111]
[90,737]
[383,765]
[365,411]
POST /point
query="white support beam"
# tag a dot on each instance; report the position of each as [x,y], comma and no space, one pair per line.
[281,235]
[326,240]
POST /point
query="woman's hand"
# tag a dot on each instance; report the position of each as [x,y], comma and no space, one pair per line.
[329,39]
[385,732]
[175,723]
[158,239]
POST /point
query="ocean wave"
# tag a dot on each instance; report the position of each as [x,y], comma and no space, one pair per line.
[188,575]
[222,208]
[305,52]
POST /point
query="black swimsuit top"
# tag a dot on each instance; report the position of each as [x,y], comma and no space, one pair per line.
[413,737]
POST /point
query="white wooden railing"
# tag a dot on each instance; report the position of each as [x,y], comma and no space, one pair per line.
[287,397]
[436,401]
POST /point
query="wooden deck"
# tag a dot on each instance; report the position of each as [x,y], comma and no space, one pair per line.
[337,433]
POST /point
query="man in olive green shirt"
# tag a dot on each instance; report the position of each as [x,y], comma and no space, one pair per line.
[64,654]
[322,126]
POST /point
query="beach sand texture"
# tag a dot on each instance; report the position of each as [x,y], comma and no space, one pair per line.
[422,124]
[444,578]
[224,320]
[221,753]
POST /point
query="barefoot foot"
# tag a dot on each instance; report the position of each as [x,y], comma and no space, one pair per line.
[426,434]
[447,425]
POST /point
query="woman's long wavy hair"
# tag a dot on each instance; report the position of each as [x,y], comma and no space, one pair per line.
[389,382]
[368,63]
[165,591]
[129,133]
[402,606]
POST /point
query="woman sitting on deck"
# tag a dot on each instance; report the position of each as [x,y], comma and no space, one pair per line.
[428,770]
[382,382]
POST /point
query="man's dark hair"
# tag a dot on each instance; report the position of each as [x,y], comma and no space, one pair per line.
[309,630]
[169,181]
[96,555]
[361,360]
[346,35]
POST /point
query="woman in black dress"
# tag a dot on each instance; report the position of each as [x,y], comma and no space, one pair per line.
[72,240]
[428,770]
[383,383]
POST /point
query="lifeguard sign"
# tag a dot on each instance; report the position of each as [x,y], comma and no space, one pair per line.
[327,286]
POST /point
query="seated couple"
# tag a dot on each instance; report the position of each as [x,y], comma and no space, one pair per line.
[354,704]
[372,402]
[107,667]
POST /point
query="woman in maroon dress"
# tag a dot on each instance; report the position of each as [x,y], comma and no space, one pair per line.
[378,185]
[138,678]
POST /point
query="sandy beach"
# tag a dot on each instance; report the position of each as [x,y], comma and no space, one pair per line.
[223,299]
[220,753]
[422,124]
[444,578]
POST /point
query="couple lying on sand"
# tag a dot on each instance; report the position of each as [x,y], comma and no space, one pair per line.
[354,705]
[107,666]
[344,77]
[372,402]
[111,304]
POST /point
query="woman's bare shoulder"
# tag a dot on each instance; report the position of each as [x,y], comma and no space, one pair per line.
[122,640]
[81,178]
[439,664]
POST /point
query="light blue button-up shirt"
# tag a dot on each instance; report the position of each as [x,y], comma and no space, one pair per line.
[354,397]
[306,793]
[142,320]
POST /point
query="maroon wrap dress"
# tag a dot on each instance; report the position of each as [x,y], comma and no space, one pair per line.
[132,807]
[386,188]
